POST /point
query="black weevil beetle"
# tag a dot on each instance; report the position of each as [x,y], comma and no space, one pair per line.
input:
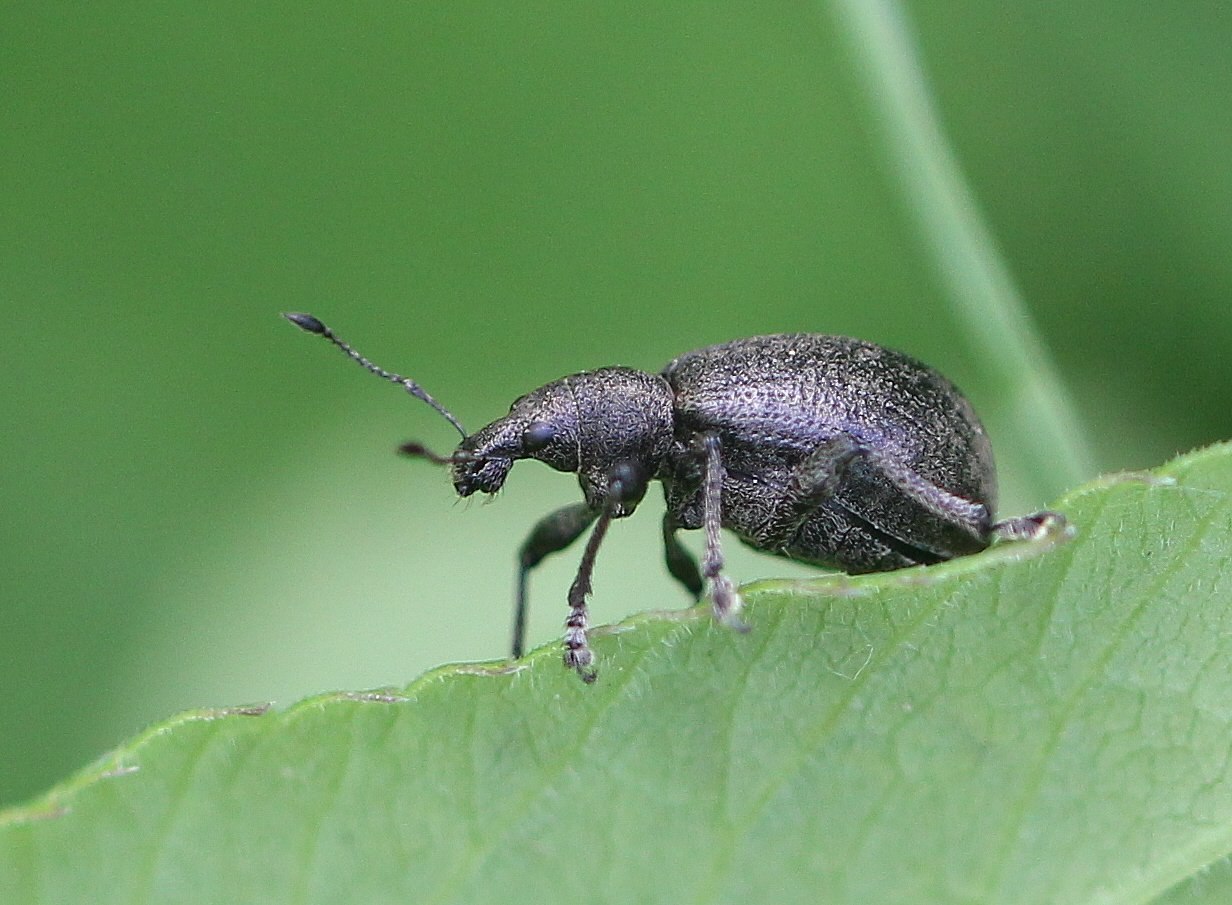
[819,448]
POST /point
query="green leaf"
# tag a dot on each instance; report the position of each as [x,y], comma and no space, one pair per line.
[1039,723]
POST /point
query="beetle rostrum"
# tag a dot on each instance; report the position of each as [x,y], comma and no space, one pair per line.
[823,449]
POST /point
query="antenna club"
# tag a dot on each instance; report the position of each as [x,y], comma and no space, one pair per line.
[307,323]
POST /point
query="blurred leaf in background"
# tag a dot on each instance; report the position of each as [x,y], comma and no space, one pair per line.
[203,507]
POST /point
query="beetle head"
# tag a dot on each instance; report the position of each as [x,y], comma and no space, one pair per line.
[613,424]
[612,427]
[541,425]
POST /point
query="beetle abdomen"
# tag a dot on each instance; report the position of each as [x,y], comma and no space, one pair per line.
[774,399]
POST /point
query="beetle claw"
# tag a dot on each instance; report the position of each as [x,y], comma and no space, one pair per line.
[727,603]
[1036,526]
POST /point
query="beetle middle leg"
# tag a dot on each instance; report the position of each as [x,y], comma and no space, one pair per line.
[723,594]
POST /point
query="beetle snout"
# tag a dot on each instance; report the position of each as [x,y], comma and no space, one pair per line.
[486,475]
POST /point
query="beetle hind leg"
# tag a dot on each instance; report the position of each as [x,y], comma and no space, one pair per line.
[818,477]
[1036,526]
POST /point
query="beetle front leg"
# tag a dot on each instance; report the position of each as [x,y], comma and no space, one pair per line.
[578,655]
[723,595]
[551,534]
[625,486]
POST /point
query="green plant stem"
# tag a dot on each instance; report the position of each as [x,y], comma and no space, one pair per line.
[977,281]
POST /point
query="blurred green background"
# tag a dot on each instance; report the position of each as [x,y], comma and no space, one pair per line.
[202,505]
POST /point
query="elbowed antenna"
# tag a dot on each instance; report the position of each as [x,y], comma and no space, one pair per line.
[417,450]
[310,324]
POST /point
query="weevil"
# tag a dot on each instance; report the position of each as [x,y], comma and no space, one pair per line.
[824,449]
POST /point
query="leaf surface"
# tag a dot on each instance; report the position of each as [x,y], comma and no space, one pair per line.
[1039,723]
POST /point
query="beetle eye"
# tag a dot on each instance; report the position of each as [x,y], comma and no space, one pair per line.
[537,436]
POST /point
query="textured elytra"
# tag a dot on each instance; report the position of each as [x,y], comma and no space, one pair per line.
[773,399]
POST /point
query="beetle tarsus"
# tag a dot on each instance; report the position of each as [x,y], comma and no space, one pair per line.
[1036,526]
[727,603]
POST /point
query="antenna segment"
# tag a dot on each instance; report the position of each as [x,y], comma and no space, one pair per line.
[310,324]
